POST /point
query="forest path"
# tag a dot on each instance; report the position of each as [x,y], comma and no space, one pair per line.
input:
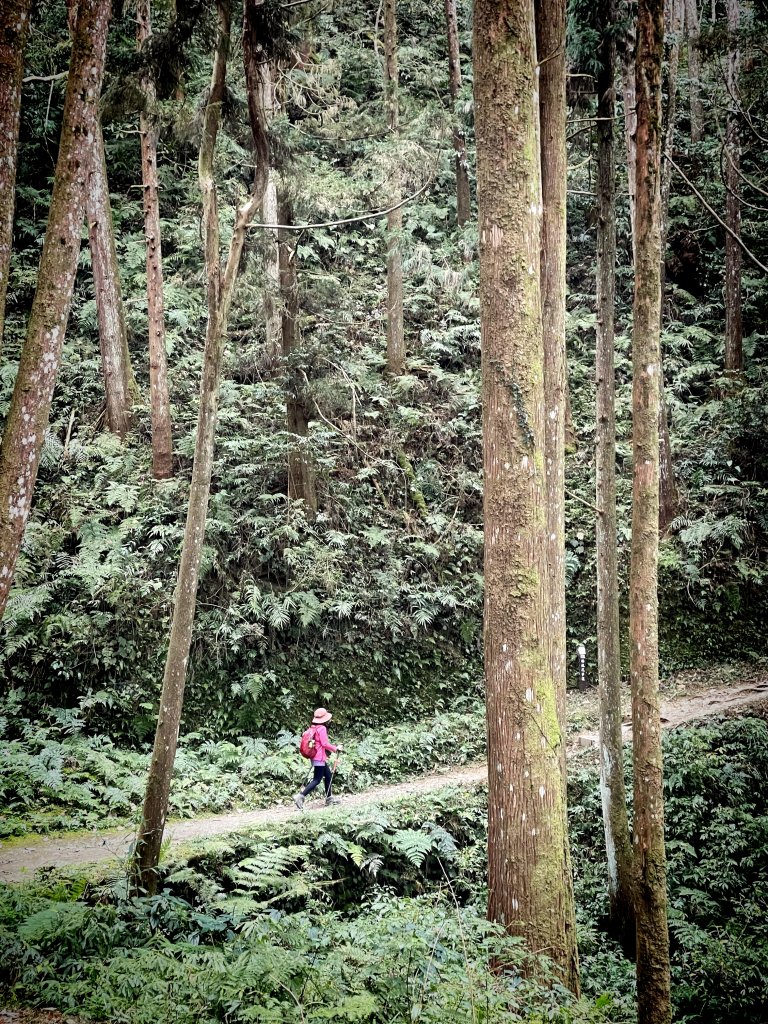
[19,860]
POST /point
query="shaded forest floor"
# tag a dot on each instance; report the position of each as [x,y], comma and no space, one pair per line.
[687,697]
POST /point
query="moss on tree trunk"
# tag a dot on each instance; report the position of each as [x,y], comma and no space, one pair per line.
[30,407]
[653,976]
[529,888]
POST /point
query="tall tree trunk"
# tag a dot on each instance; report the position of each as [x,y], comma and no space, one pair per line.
[529,891]
[630,118]
[694,70]
[160,409]
[269,214]
[220,289]
[673,19]
[612,791]
[669,497]
[395,330]
[30,407]
[734,357]
[653,976]
[14,25]
[119,383]
[301,477]
[550,43]
[463,210]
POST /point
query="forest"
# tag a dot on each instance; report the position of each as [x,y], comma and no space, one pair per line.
[383,511]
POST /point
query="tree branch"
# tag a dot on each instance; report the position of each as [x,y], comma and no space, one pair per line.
[375,215]
[45,78]
[717,217]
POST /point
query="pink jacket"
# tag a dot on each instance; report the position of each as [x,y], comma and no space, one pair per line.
[323,745]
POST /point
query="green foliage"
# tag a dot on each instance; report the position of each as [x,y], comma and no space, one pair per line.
[54,777]
[356,924]
[716,822]
[375,604]
[379,912]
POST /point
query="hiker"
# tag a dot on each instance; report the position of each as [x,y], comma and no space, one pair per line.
[315,745]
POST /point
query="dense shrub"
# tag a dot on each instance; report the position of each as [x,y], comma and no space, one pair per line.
[365,910]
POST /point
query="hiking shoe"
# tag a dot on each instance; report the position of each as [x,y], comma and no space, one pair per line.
[299,801]
[330,800]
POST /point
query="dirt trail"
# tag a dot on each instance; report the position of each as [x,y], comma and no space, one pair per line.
[21,860]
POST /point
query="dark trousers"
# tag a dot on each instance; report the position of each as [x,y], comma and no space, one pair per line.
[322,773]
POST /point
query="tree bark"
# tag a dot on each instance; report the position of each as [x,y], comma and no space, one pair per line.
[550,43]
[463,209]
[269,213]
[220,289]
[14,26]
[630,118]
[160,409]
[694,70]
[395,330]
[669,497]
[119,383]
[301,477]
[734,356]
[551,49]
[529,891]
[612,791]
[40,355]
[673,18]
[653,975]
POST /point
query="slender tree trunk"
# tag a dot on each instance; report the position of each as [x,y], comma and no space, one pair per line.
[269,213]
[669,500]
[14,25]
[31,402]
[395,330]
[463,210]
[160,409]
[694,70]
[630,118]
[669,497]
[529,891]
[571,441]
[550,43]
[673,18]
[119,383]
[653,975]
[220,289]
[301,477]
[612,791]
[734,357]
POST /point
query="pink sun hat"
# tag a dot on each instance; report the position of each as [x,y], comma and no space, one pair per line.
[321,717]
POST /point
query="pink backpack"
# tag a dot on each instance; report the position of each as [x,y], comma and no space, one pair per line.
[308,743]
